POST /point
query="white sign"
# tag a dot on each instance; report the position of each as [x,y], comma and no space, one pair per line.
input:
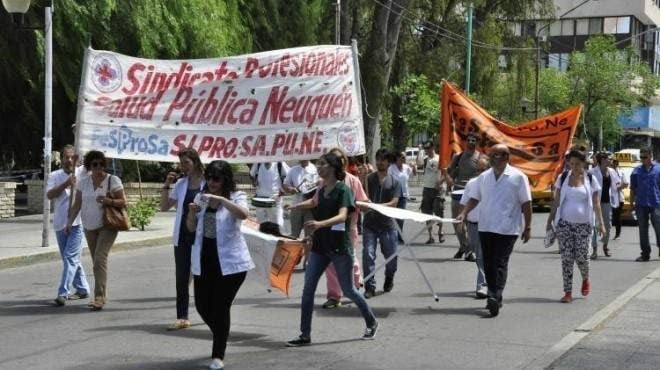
[286,104]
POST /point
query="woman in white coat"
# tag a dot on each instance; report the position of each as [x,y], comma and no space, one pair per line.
[220,256]
[609,198]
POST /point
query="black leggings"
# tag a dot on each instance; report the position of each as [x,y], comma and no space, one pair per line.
[616,219]
[214,294]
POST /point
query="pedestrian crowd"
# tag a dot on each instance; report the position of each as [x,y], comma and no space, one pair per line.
[490,198]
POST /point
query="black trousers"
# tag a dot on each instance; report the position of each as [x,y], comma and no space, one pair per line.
[496,250]
[616,219]
[214,294]
[182,272]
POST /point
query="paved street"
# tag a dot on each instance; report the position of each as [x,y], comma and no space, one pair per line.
[416,332]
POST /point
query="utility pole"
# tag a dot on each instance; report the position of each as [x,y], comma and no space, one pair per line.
[468,48]
[338,22]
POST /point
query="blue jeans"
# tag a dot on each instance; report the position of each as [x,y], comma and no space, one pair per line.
[72,271]
[475,244]
[316,264]
[388,246]
[644,214]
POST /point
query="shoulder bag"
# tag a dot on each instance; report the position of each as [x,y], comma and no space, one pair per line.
[115,218]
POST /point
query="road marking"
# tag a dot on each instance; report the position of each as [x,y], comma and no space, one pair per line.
[547,359]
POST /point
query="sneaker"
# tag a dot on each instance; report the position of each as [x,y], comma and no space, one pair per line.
[430,241]
[370,331]
[369,292]
[458,255]
[77,295]
[179,324]
[586,287]
[481,294]
[389,284]
[594,255]
[299,342]
[493,307]
[216,364]
[60,301]
[567,298]
[470,257]
[332,303]
[441,239]
[642,259]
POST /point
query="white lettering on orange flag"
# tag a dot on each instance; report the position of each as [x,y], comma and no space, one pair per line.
[537,147]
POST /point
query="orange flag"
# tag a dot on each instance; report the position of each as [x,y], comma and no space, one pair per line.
[537,147]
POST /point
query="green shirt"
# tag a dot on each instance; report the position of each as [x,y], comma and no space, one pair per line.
[335,238]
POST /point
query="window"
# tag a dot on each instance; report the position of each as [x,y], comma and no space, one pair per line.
[558,61]
[623,25]
[595,25]
[515,28]
[582,27]
[609,25]
[567,27]
[555,28]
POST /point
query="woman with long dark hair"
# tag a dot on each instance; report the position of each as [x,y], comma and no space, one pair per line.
[330,243]
[220,257]
[184,192]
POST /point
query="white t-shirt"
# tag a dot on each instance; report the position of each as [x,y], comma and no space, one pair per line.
[61,203]
[402,175]
[500,201]
[431,172]
[268,179]
[297,174]
[91,212]
[575,206]
[473,216]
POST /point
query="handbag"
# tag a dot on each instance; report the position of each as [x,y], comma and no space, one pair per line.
[115,218]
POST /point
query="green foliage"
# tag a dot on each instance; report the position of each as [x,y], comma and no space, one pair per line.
[420,104]
[142,212]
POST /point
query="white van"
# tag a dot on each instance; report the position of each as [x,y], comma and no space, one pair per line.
[415,156]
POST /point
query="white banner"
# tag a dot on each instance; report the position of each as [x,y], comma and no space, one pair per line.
[285,104]
[404,214]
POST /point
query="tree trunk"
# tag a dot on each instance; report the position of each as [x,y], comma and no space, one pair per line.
[377,65]
[399,130]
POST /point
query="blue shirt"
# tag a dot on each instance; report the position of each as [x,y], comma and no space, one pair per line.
[646,185]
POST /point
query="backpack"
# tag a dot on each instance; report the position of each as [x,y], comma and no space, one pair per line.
[279,173]
[564,175]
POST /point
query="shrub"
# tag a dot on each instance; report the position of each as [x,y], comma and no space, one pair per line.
[142,212]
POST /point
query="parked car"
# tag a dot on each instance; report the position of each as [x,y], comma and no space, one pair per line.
[415,157]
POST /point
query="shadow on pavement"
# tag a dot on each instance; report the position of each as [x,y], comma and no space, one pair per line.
[465,311]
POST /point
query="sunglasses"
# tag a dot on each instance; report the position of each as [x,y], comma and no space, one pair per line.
[215,178]
[644,157]
[471,140]
[96,164]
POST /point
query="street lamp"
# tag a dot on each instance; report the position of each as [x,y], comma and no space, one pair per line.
[538,53]
[17,8]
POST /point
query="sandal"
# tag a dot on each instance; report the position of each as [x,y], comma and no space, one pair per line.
[95,306]
[179,324]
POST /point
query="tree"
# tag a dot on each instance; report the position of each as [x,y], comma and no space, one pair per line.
[419,110]
[607,81]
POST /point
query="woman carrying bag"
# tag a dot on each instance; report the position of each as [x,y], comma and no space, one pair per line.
[574,211]
[96,192]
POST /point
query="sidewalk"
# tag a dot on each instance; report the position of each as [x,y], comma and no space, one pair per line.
[20,242]
[629,339]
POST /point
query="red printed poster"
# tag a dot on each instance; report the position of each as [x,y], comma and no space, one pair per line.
[284,104]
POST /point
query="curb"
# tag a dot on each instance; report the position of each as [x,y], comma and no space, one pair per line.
[19,261]
[554,354]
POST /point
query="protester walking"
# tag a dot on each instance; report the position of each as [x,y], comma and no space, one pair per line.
[609,199]
[268,178]
[91,197]
[616,212]
[575,209]
[472,224]
[384,189]
[220,258]
[334,293]
[330,243]
[462,168]
[185,189]
[645,198]
[504,197]
[60,185]
[401,172]
[433,192]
